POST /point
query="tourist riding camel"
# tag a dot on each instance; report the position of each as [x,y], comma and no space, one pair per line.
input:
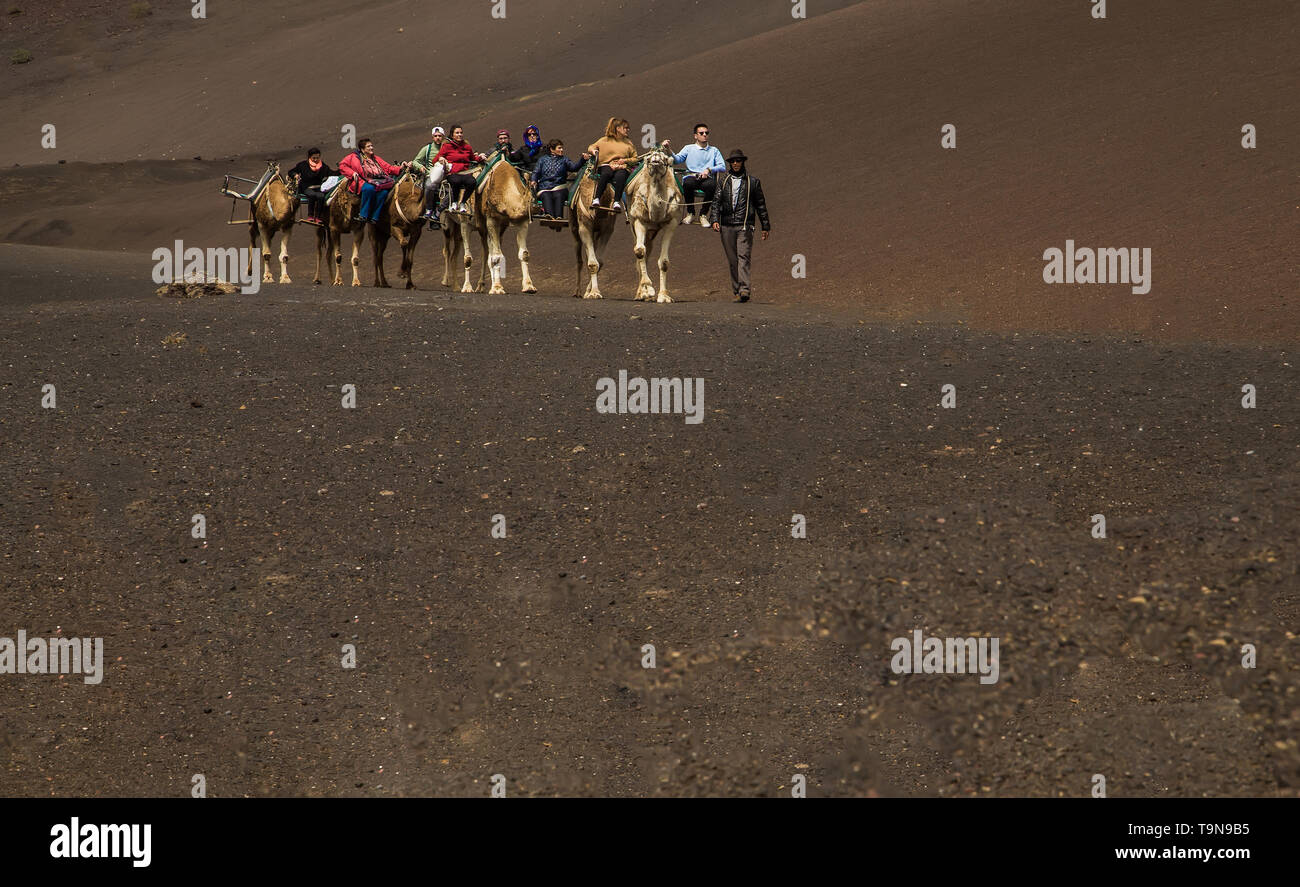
[503,145]
[311,173]
[433,175]
[371,176]
[458,153]
[531,151]
[703,162]
[614,152]
[550,179]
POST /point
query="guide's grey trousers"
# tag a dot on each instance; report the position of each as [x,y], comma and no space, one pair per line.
[737,242]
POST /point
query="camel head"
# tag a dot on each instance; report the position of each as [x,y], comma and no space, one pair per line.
[659,163]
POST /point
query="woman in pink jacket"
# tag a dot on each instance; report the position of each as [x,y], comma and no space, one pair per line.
[371,176]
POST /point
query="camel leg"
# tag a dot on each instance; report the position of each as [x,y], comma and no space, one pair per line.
[496,258]
[399,235]
[645,291]
[284,253]
[521,237]
[378,245]
[448,251]
[469,258]
[601,243]
[264,232]
[252,248]
[482,268]
[336,256]
[577,256]
[358,237]
[667,234]
[320,252]
[593,265]
[408,254]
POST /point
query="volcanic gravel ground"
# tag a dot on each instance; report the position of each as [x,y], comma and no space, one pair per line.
[522,656]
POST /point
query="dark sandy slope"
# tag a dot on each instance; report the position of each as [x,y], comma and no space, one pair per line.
[522,655]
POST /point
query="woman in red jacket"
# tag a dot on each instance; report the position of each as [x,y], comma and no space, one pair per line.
[460,155]
[371,176]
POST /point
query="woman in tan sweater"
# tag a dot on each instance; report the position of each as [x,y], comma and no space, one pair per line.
[614,152]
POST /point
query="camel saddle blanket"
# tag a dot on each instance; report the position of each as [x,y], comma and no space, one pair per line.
[586,170]
[267,177]
[482,174]
[329,198]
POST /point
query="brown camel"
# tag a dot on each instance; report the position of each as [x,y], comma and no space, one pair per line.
[654,207]
[503,201]
[343,220]
[273,212]
[400,218]
[591,232]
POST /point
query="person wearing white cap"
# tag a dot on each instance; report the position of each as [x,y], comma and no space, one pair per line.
[433,174]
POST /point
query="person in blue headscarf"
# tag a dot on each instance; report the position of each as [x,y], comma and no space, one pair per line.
[531,151]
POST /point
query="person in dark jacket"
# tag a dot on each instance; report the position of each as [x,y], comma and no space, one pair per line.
[503,145]
[737,203]
[311,172]
[551,178]
[531,151]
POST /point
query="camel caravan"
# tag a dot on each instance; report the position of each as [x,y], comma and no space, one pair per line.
[451,188]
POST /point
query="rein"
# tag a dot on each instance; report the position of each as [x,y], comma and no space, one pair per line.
[397,201]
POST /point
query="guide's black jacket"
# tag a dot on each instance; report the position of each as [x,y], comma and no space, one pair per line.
[750,205]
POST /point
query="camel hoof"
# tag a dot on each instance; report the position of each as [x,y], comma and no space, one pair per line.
[409,285]
[593,296]
[664,298]
[284,278]
[356,283]
[530,289]
[497,291]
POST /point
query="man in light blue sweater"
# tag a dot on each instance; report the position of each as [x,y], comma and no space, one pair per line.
[704,163]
